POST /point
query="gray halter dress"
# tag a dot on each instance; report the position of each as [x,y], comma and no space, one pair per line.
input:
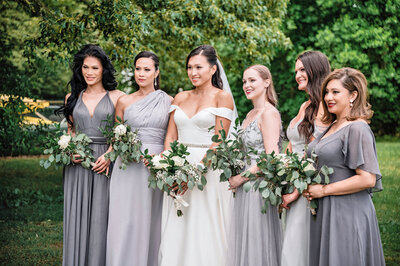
[134,229]
[86,193]
[296,238]
[345,230]
[255,238]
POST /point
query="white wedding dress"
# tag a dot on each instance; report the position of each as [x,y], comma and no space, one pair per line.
[199,237]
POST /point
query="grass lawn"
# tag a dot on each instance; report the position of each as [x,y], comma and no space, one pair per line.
[31,209]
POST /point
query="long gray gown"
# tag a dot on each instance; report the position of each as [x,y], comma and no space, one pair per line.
[86,193]
[255,238]
[296,237]
[134,228]
[345,230]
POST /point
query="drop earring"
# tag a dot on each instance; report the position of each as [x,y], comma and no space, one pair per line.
[351,103]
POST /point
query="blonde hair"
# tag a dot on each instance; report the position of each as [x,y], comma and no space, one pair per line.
[352,80]
[265,74]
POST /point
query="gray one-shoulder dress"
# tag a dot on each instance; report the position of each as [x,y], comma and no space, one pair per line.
[345,230]
[86,193]
[255,238]
[134,229]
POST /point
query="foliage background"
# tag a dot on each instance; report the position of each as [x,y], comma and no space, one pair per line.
[39,38]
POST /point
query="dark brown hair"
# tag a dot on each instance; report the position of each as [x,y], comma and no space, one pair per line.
[352,80]
[317,68]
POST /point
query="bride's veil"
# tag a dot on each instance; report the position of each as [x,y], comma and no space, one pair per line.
[227,88]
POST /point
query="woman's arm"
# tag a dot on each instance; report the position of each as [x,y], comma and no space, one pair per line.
[360,181]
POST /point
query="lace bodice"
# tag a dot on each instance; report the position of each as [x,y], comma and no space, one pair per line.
[195,129]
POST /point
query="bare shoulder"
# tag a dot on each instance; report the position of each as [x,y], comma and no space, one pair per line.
[180,97]
[270,114]
[224,99]
[116,94]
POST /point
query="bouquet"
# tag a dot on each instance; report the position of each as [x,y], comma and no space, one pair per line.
[268,180]
[229,156]
[125,143]
[65,147]
[171,172]
[286,172]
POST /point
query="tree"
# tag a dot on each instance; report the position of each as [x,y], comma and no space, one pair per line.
[360,34]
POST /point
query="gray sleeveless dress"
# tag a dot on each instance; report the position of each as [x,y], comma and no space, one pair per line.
[255,238]
[295,246]
[345,230]
[86,193]
[134,228]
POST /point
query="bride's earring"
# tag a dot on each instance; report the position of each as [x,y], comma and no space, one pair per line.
[351,103]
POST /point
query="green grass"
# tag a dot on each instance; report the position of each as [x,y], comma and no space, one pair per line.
[31,208]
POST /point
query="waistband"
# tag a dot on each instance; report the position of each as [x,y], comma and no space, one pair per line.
[195,145]
[98,140]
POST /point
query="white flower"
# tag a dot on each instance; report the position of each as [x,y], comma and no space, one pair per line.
[309,167]
[120,130]
[166,153]
[64,141]
[157,164]
[179,161]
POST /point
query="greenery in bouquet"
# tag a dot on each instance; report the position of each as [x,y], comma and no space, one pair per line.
[229,156]
[171,172]
[125,142]
[62,148]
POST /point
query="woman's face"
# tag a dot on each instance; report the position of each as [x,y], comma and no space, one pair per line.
[301,76]
[253,85]
[337,98]
[145,72]
[92,70]
[199,70]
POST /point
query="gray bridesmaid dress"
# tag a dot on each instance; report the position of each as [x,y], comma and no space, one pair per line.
[255,238]
[345,230]
[295,247]
[86,193]
[134,228]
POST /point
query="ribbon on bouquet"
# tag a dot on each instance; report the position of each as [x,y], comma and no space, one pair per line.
[178,201]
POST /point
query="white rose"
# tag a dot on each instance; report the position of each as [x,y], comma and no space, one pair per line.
[178,161]
[64,141]
[309,167]
[120,130]
[166,153]
[156,162]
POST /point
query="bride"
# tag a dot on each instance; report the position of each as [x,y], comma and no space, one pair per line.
[199,237]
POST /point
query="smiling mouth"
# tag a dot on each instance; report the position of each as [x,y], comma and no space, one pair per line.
[330,105]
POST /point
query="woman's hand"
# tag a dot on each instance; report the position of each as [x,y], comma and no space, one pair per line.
[76,160]
[101,165]
[236,181]
[178,191]
[289,198]
[314,192]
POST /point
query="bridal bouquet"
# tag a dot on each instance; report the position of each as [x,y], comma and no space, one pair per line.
[171,172]
[229,156]
[125,142]
[62,149]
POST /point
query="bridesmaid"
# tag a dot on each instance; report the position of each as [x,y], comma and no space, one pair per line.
[255,237]
[86,192]
[345,231]
[134,227]
[311,69]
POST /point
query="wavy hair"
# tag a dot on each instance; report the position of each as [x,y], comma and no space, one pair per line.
[352,80]
[209,52]
[78,83]
[154,57]
[317,68]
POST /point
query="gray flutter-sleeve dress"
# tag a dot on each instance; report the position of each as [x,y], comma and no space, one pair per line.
[345,230]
